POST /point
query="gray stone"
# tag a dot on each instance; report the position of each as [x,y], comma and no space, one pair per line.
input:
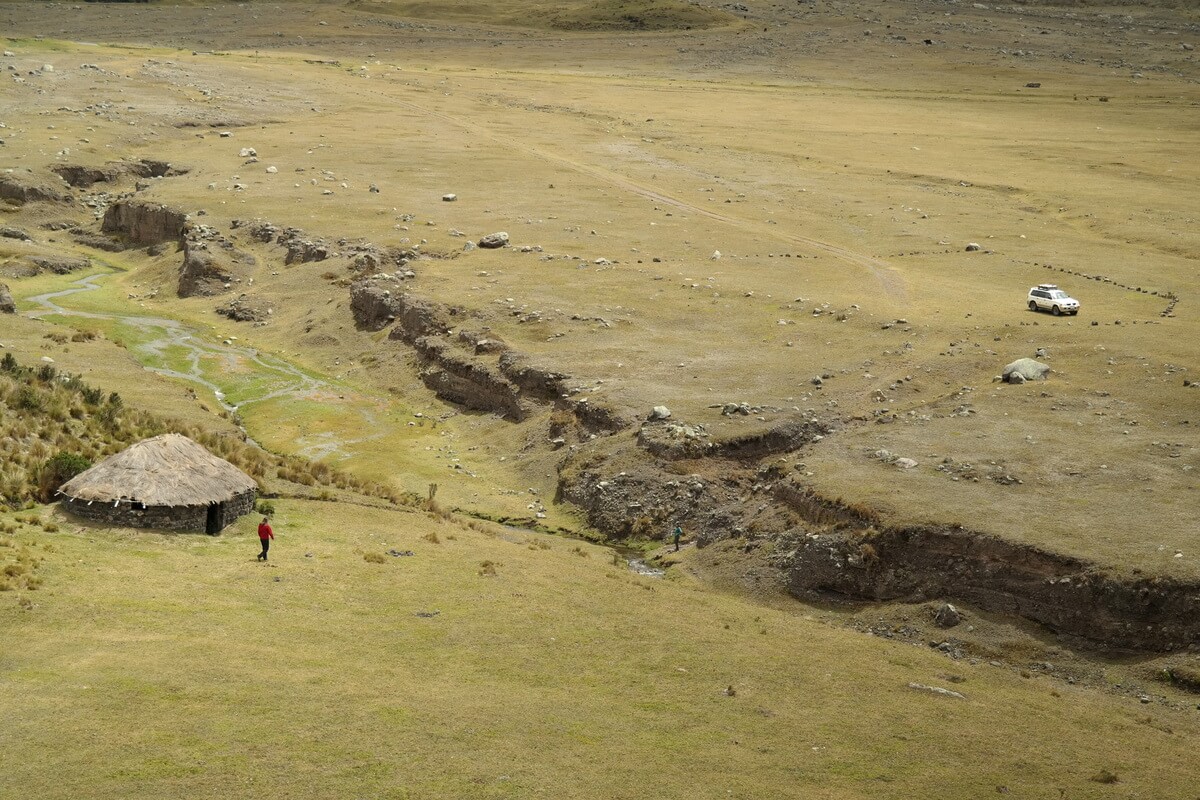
[7,306]
[905,463]
[14,233]
[973,248]
[248,152]
[449,198]
[947,616]
[660,412]
[1025,369]
[936,690]
[494,240]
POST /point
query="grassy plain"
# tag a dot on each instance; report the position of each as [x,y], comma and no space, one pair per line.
[839,165]
[155,666]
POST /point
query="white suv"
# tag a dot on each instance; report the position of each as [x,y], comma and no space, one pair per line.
[1048,296]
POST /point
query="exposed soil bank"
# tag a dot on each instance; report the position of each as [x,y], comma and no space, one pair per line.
[825,547]
[1065,594]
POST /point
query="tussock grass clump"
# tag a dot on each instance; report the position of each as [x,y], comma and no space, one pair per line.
[432,538]
[487,569]
[375,558]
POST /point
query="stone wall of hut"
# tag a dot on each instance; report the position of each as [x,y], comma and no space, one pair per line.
[167,518]
[239,505]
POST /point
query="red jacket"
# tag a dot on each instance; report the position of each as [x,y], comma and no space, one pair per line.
[264,531]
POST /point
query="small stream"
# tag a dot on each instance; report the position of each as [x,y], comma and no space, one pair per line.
[288,381]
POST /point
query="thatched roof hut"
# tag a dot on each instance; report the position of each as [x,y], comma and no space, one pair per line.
[166,482]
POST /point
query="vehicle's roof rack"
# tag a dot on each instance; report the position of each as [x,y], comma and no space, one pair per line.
[1047,286]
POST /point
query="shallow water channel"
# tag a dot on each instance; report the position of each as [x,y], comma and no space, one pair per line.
[251,376]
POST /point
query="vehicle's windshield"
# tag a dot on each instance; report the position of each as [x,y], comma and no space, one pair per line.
[1058,295]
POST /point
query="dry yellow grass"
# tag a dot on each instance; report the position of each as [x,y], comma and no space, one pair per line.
[178,666]
[831,177]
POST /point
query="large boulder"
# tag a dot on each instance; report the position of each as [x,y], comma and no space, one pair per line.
[1025,369]
[7,306]
[494,240]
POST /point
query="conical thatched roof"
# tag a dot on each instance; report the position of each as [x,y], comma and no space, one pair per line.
[168,470]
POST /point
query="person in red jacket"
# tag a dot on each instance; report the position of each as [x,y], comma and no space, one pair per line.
[265,535]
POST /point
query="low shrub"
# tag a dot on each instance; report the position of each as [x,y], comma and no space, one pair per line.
[375,558]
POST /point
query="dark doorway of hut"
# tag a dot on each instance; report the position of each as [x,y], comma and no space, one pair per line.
[213,525]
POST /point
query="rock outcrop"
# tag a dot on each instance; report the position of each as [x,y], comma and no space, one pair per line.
[18,188]
[375,301]
[202,274]
[7,306]
[141,223]
[29,266]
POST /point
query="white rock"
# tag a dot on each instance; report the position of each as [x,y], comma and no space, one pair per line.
[47,68]
[449,198]
[247,152]
[716,255]
[660,412]
[272,170]
[905,463]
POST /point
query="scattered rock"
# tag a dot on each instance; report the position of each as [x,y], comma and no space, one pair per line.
[660,412]
[972,247]
[449,198]
[947,616]
[905,463]
[272,170]
[1025,369]
[8,232]
[246,309]
[248,152]
[7,306]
